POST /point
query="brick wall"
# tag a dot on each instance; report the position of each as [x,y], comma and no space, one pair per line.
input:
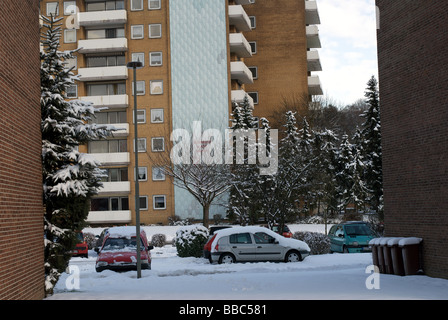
[21,212]
[413,82]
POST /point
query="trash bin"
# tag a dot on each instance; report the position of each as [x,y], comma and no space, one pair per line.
[373,245]
[396,255]
[410,249]
[388,266]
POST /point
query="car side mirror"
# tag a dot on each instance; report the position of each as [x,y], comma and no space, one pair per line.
[340,235]
[97,250]
[150,248]
[276,242]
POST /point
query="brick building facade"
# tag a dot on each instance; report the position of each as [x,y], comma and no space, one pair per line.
[413,82]
[21,213]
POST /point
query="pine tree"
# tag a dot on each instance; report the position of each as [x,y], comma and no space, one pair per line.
[371,147]
[70,178]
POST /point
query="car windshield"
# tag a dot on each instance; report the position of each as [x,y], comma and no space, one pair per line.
[114,244]
[358,230]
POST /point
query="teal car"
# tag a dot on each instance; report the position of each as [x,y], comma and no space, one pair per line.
[351,237]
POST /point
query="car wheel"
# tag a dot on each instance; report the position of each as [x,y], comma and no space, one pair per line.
[293,256]
[226,258]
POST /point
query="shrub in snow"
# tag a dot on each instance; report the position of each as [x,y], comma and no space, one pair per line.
[319,243]
[90,239]
[158,240]
[190,240]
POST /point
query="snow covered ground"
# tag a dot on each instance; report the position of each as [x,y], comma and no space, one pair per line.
[331,276]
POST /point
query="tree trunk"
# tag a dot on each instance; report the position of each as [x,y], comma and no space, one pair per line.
[206,215]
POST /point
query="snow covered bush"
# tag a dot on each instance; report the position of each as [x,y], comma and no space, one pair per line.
[319,243]
[190,240]
[158,240]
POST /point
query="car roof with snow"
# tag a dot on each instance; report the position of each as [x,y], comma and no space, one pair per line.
[122,232]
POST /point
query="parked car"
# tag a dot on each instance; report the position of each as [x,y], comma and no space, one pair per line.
[349,237]
[286,232]
[81,248]
[255,244]
[208,245]
[119,250]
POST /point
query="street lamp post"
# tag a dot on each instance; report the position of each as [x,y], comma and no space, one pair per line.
[136,65]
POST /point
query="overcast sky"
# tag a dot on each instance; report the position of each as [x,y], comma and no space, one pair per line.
[349,53]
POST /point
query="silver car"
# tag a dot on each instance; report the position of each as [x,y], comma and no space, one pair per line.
[255,244]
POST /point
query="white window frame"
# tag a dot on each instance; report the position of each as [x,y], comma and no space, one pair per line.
[56,13]
[141,116]
[140,26]
[68,4]
[138,56]
[72,62]
[65,35]
[163,144]
[256,72]
[152,86]
[150,33]
[143,141]
[253,22]
[139,83]
[155,64]
[154,201]
[155,170]
[145,169]
[254,48]
[146,200]
[159,6]
[76,91]
[134,9]
[153,114]
[257,100]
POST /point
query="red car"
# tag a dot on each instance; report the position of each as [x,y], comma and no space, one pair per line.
[81,249]
[119,250]
[286,232]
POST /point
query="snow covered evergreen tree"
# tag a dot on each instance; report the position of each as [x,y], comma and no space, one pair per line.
[371,147]
[70,178]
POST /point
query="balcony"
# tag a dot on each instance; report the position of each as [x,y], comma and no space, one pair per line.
[239,45]
[103,45]
[313,61]
[238,97]
[311,12]
[109,217]
[243,2]
[112,159]
[239,18]
[115,188]
[122,130]
[314,86]
[111,102]
[103,73]
[240,72]
[102,18]
[312,37]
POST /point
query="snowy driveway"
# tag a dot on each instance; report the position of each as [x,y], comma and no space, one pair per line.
[331,276]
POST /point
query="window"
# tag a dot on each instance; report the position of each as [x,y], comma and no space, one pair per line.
[156,115]
[109,204]
[139,56]
[106,61]
[254,71]
[105,5]
[253,22]
[109,117]
[240,238]
[140,87]
[72,63]
[137,32]
[69,7]
[158,174]
[143,202]
[156,87]
[141,116]
[263,238]
[142,173]
[116,175]
[108,146]
[72,91]
[141,143]
[105,33]
[136,5]
[253,46]
[254,96]
[53,8]
[158,144]
[154,4]
[108,89]
[159,202]
[155,30]
[69,35]
[155,59]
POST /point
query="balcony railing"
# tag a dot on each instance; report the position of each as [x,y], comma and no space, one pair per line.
[239,45]
[115,188]
[312,37]
[313,61]
[112,159]
[239,71]
[112,102]
[311,12]
[238,97]
[103,45]
[103,73]
[239,18]
[314,86]
[102,18]
[109,217]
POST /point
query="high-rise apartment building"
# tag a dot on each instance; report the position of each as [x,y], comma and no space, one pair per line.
[194,55]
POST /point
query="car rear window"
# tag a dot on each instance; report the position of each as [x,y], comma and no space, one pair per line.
[240,238]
